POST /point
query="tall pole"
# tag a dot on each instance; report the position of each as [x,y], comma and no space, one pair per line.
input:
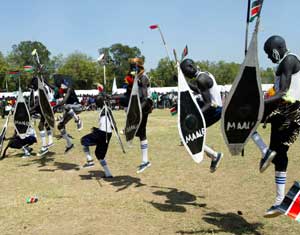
[104,77]
[247,26]
[165,44]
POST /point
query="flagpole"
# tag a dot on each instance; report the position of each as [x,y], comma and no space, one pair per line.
[247,26]
[166,47]
[6,84]
[164,42]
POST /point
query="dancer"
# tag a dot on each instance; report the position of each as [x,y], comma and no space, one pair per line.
[99,137]
[71,107]
[209,99]
[282,111]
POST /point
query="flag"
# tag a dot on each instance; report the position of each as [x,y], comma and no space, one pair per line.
[154,26]
[173,110]
[14,73]
[114,87]
[184,53]
[28,68]
[255,9]
[290,205]
[100,87]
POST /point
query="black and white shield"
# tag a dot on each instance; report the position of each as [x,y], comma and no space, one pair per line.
[243,109]
[21,116]
[134,113]
[3,133]
[191,123]
[46,108]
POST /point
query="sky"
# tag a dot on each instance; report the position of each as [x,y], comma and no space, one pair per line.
[213,29]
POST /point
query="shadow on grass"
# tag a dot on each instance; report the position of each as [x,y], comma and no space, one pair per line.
[40,161]
[176,200]
[65,166]
[229,223]
[122,182]
[92,175]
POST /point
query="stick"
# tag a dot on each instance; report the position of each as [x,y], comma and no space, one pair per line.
[166,47]
[247,26]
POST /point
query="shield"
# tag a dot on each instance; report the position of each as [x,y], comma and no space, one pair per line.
[243,109]
[21,116]
[134,113]
[45,106]
[191,123]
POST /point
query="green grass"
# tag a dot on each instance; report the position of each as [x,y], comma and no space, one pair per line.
[174,196]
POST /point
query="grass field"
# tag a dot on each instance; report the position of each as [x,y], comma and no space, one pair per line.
[174,196]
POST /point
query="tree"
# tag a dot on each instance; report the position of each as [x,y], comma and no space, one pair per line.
[267,76]
[21,54]
[3,70]
[163,75]
[83,69]
[117,57]
[224,72]
[56,62]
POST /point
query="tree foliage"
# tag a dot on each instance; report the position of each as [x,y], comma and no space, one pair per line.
[163,75]
[117,60]
[21,54]
[3,70]
[83,69]
[86,72]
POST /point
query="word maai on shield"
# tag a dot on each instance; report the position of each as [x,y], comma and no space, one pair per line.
[191,123]
[290,205]
[134,113]
[45,105]
[21,116]
[244,105]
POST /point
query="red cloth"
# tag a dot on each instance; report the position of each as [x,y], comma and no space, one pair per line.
[155,26]
[61,91]
[129,80]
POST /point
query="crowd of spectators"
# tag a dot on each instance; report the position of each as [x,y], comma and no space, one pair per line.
[6,104]
[88,102]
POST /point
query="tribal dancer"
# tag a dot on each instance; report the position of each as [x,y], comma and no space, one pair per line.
[43,127]
[282,111]
[209,99]
[137,67]
[100,138]
[71,107]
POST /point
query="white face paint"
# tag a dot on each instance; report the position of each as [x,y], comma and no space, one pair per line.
[276,55]
[63,86]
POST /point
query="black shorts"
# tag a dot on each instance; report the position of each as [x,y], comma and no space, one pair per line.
[17,142]
[212,115]
[285,121]
[100,139]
